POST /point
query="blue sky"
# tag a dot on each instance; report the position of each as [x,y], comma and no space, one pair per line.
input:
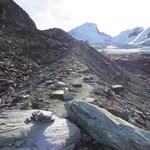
[111,16]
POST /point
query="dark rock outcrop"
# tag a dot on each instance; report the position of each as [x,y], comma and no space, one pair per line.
[12,12]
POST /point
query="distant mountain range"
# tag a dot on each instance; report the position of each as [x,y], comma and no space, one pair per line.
[143,38]
[127,36]
[90,33]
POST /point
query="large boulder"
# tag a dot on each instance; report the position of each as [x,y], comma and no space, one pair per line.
[110,131]
[17,131]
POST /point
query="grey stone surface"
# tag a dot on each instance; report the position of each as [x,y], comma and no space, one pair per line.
[58,94]
[110,131]
[68,97]
[15,134]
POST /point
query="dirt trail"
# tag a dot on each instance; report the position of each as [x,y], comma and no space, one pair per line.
[85,91]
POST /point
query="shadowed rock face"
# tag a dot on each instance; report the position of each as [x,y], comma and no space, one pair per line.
[108,130]
[4,3]
[3,6]
[136,63]
[10,10]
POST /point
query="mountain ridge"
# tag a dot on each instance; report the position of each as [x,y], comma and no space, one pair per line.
[142,37]
[90,33]
[127,36]
[46,69]
[33,57]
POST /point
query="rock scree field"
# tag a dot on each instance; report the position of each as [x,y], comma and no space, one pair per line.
[58,93]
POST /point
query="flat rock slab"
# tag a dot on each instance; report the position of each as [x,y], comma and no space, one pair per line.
[110,131]
[59,94]
[16,134]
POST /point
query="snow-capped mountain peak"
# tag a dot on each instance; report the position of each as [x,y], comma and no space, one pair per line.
[90,33]
[143,36]
[125,37]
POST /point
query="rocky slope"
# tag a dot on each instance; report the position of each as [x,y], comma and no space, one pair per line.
[10,11]
[44,69]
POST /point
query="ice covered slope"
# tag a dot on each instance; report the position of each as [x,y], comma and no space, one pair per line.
[143,37]
[89,32]
[125,37]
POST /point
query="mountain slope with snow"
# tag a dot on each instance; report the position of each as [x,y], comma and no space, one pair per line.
[131,38]
[89,33]
[127,36]
[143,37]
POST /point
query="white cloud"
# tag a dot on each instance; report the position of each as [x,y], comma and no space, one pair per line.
[112,16]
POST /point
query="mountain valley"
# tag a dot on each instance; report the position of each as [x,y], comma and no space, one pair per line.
[44,70]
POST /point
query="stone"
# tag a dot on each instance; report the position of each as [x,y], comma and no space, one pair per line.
[49,82]
[110,131]
[68,97]
[69,70]
[25,96]
[66,89]
[60,84]
[77,85]
[18,132]
[7,86]
[89,99]
[117,88]
[37,105]
[109,91]
[59,94]
[88,79]
[5,81]
[23,106]
[42,88]
[98,91]
[44,116]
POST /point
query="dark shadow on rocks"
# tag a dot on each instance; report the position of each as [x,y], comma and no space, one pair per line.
[36,138]
[40,138]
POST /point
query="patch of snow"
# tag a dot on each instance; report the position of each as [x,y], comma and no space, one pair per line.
[115,50]
[143,36]
[128,39]
[127,36]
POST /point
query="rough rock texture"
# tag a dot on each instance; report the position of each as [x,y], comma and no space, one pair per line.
[33,63]
[136,63]
[16,134]
[28,59]
[10,10]
[110,131]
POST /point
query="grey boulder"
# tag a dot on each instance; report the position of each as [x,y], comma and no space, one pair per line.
[110,131]
[15,134]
